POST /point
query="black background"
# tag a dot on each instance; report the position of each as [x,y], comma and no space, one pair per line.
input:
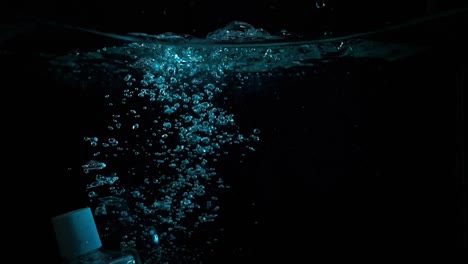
[198,17]
[402,191]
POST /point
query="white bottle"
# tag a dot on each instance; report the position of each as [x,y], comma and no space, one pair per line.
[79,242]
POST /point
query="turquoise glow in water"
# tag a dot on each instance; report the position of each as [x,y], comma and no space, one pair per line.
[157,163]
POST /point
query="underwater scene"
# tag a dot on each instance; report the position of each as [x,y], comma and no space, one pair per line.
[248,145]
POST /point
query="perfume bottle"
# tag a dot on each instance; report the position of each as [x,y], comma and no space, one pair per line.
[79,242]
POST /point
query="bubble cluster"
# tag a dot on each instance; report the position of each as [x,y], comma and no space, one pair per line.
[154,176]
[168,129]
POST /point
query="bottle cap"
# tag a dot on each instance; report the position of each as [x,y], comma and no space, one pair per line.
[76,233]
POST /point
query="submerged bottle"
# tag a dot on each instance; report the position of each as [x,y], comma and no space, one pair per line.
[79,242]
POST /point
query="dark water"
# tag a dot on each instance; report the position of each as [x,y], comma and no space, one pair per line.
[282,150]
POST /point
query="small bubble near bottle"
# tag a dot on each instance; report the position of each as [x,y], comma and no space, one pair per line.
[79,242]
